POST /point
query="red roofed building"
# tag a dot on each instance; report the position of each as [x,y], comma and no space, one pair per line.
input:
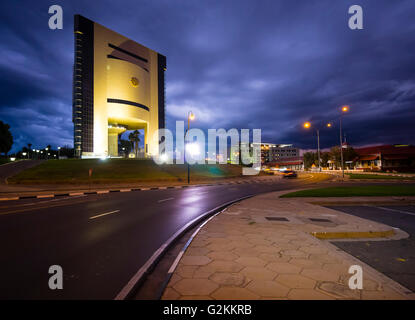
[386,158]
[292,163]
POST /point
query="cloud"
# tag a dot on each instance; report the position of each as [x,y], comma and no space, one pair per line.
[236,64]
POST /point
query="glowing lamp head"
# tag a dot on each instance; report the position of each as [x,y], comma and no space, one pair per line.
[164,157]
[191,115]
[329,125]
[345,108]
[307,125]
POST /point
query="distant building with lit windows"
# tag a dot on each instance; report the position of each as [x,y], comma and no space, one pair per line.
[118,85]
[270,152]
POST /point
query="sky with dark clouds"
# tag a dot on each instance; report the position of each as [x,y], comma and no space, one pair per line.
[236,64]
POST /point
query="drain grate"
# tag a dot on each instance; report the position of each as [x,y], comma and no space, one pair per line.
[319,220]
[276,218]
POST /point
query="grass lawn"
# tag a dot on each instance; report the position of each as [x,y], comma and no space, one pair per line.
[118,170]
[377,176]
[354,191]
[4,160]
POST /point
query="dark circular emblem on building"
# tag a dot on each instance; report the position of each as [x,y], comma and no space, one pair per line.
[134,82]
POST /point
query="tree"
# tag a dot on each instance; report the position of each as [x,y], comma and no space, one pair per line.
[309,159]
[325,157]
[66,151]
[125,146]
[349,154]
[6,138]
[134,137]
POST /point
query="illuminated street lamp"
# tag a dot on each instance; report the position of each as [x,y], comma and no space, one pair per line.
[190,116]
[344,109]
[307,125]
[59,152]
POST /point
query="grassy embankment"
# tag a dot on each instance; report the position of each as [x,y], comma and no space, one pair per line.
[4,161]
[377,176]
[74,171]
[355,191]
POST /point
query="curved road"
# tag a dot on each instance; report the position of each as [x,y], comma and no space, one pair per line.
[101,241]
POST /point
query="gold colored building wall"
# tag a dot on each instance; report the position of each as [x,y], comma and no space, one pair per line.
[120,76]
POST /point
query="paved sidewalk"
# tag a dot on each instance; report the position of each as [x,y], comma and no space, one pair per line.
[240,254]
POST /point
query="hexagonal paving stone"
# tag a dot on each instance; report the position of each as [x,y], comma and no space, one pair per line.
[336,267]
[249,252]
[194,260]
[224,266]
[283,267]
[195,286]
[306,263]
[197,251]
[221,246]
[234,293]
[339,290]
[228,279]
[195,298]
[324,258]
[270,257]
[260,242]
[314,249]
[242,244]
[250,261]
[199,243]
[320,274]
[170,294]
[295,281]
[294,253]
[185,271]
[268,288]
[222,255]
[386,294]
[267,249]
[174,279]
[308,294]
[203,272]
[371,285]
[258,273]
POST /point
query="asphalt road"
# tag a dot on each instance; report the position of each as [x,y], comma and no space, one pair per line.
[395,259]
[100,241]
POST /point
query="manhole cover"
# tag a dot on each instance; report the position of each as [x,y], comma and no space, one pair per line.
[319,220]
[276,218]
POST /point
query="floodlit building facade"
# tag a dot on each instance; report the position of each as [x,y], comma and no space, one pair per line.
[118,85]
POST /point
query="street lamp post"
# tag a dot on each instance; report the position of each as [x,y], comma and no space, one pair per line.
[307,125]
[190,116]
[59,152]
[344,109]
[318,150]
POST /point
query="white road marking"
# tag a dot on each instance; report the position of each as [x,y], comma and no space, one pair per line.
[165,200]
[395,210]
[103,214]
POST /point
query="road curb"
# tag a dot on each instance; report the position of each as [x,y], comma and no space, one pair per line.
[140,275]
[74,193]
